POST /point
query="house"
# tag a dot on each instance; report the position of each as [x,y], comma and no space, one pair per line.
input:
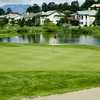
[14,17]
[53,16]
[86,17]
[35,17]
[95,7]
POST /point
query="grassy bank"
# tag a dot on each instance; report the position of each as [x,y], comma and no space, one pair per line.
[15,30]
[27,70]
[49,29]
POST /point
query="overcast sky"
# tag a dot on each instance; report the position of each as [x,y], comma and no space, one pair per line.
[2,2]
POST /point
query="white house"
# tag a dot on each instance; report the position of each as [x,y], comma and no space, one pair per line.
[95,7]
[86,17]
[14,16]
[53,16]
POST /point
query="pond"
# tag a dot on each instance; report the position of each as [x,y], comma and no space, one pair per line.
[41,39]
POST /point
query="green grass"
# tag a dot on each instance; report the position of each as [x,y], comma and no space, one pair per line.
[34,70]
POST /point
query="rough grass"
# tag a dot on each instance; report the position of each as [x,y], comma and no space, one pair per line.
[27,70]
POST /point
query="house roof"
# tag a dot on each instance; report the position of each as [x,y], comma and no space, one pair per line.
[95,5]
[48,13]
[31,15]
[13,15]
[87,12]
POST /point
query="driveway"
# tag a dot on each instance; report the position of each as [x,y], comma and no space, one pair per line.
[90,94]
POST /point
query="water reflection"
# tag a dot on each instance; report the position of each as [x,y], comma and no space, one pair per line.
[52,40]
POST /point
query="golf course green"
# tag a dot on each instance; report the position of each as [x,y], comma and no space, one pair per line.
[35,70]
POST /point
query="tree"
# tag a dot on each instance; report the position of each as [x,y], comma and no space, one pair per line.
[44,7]
[2,12]
[98,1]
[74,6]
[29,9]
[65,6]
[87,4]
[50,28]
[34,9]
[52,6]
[66,16]
[60,7]
[9,10]
[3,22]
[21,22]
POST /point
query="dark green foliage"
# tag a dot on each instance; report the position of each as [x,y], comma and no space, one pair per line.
[22,30]
[2,12]
[50,28]
[61,22]
[29,22]
[74,6]
[63,7]
[29,9]
[3,22]
[9,10]
[35,9]
[21,22]
[87,4]
[51,6]
[98,1]
[44,7]
[60,7]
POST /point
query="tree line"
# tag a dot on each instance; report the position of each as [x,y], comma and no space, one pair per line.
[74,6]
[53,6]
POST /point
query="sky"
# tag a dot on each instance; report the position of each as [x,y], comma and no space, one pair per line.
[3,2]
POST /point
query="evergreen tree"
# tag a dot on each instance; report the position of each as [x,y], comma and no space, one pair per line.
[44,7]
[34,9]
[74,6]
[29,9]
[2,12]
[21,22]
[87,4]
[52,6]
[9,10]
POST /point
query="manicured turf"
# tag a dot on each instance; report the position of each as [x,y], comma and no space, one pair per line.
[27,70]
[44,58]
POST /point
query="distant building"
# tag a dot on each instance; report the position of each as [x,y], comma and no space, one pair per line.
[53,16]
[14,17]
[86,17]
[35,17]
[95,7]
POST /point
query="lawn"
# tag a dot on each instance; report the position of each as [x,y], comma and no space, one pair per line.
[34,70]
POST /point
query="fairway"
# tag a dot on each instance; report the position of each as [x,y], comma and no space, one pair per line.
[44,58]
[35,70]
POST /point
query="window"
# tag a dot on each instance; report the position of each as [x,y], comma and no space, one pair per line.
[81,17]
